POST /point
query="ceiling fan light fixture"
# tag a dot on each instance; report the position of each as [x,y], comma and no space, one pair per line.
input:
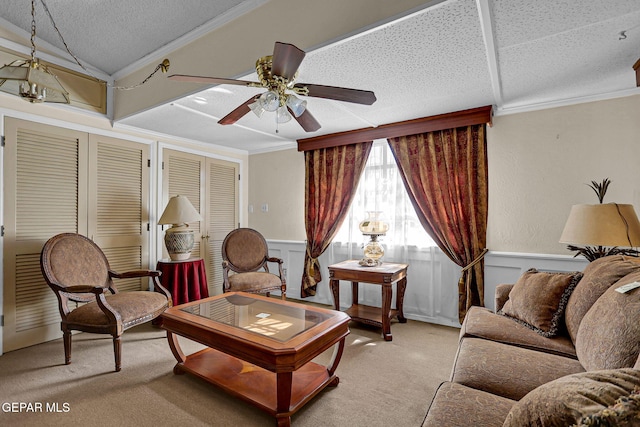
[257,108]
[270,100]
[283,115]
[296,105]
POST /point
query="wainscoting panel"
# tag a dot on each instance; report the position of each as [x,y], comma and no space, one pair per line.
[432,279]
[507,267]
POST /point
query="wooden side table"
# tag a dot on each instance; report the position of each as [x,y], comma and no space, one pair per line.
[384,275]
[186,280]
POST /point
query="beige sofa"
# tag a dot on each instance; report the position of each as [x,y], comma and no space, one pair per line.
[561,349]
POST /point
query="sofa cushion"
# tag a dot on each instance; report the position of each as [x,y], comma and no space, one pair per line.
[538,300]
[483,323]
[609,334]
[453,403]
[597,277]
[564,401]
[507,370]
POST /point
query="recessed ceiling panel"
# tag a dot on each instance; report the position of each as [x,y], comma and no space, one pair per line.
[563,65]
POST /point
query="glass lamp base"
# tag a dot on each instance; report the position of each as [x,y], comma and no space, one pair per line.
[373,252]
[368,262]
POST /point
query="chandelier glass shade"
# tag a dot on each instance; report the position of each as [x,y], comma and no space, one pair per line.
[31,80]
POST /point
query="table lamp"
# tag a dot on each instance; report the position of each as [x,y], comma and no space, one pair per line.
[373,226]
[179,239]
[602,229]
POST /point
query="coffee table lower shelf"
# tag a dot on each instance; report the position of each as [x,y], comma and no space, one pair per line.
[254,384]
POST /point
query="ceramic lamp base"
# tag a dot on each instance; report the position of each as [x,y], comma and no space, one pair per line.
[179,243]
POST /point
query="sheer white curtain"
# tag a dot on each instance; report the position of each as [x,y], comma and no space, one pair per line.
[381,189]
[432,278]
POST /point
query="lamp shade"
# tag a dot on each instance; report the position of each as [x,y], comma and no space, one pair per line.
[179,210]
[608,224]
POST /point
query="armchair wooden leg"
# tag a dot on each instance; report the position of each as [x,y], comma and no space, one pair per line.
[66,338]
[117,350]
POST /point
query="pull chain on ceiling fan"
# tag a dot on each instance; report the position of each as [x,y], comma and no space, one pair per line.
[277,73]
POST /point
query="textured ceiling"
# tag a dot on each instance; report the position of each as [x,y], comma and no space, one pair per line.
[111,34]
[458,54]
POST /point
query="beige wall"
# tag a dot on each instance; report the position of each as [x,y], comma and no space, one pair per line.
[277,179]
[539,165]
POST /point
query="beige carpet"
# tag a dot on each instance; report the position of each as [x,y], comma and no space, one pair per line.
[381,383]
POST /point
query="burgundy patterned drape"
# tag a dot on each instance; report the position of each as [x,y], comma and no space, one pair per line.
[445,174]
[331,179]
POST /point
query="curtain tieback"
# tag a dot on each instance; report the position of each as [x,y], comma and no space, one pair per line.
[471,264]
[312,262]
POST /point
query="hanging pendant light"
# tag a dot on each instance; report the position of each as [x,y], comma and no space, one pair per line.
[31,80]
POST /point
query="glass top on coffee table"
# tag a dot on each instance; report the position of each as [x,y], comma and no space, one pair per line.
[267,318]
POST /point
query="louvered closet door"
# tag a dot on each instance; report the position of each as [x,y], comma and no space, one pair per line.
[183,175]
[45,194]
[119,205]
[212,187]
[222,215]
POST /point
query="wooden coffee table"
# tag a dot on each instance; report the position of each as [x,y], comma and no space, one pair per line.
[259,349]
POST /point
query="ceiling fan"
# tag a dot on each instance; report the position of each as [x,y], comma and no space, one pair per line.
[277,73]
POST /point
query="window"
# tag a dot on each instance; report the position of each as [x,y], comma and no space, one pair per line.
[381,189]
[432,278]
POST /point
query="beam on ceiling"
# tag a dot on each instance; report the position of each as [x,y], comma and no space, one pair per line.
[231,50]
[488,34]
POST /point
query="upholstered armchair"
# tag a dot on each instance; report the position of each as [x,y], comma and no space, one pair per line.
[77,270]
[244,253]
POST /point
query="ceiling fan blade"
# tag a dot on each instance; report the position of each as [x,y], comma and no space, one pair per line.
[306,120]
[286,60]
[339,93]
[211,80]
[238,113]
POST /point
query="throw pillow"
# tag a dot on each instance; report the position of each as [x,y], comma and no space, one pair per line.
[563,402]
[538,300]
[625,412]
[609,334]
[597,277]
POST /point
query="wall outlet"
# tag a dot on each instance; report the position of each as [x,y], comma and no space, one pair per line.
[265,208]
